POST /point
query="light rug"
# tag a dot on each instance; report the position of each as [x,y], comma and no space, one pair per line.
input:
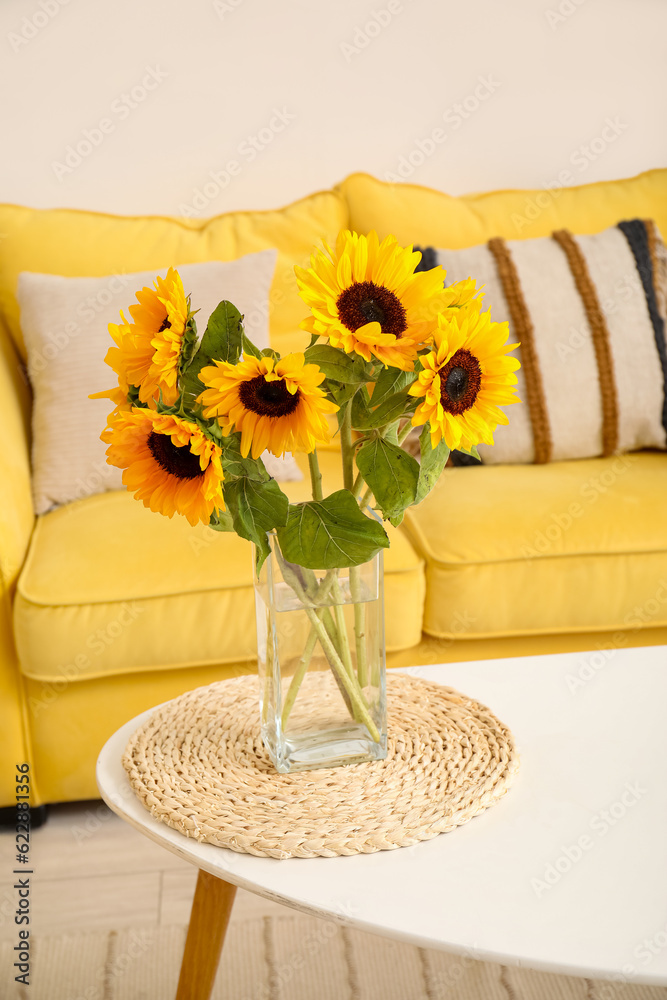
[288,957]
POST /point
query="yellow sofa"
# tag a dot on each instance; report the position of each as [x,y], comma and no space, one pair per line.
[108,609]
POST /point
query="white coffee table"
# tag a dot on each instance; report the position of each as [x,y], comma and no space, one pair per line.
[567,873]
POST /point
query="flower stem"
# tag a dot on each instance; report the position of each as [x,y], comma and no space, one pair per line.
[302,589]
[344,643]
[359,627]
[365,498]
[348,683]
[299,675]
[347,448]
[315,475]
[330,637]
[404,432]
[358,485]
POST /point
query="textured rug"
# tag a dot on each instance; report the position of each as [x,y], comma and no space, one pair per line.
[287,957]
[448,759]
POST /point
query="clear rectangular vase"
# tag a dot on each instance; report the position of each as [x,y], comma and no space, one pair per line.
[321,660]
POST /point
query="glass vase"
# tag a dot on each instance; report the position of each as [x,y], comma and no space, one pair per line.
[321,661]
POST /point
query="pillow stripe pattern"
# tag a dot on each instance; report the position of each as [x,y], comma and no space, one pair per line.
[589,312]
[524,332]
[658,253]
[600,337]
[642,240]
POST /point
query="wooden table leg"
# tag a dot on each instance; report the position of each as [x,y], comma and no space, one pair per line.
[209,917]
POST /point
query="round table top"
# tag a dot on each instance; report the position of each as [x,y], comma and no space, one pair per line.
[567,873]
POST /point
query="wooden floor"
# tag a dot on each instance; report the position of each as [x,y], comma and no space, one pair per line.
[92,871]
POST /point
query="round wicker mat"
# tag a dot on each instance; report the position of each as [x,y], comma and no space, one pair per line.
[199,766]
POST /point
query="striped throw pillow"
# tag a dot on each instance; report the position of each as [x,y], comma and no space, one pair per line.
[589,313]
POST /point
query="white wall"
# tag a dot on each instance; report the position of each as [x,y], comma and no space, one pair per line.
[352,98]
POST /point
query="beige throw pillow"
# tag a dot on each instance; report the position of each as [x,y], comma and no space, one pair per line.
[65,325]
[589,313]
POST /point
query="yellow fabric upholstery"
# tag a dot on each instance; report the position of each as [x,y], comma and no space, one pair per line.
[13,743]
[521,549]
[421,215]
[16,521]
[139,592]
[72,721]
[16,510]
[519,559]
[477,526]
[89,244]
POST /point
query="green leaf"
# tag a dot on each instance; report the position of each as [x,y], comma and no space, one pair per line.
[235,466]
[365,418]
[391,473]
[361,408]
[249,349]
[341,394]
[338,365]
[472,452]
[133,395]
[221,521]
[163,408]
[255,508]
[222,341]
[433,461]
[391,380]
[330,533]
[391,433]
[262,553]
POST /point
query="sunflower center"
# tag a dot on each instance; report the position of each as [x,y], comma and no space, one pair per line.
[460,382]
[365,302]
[268,399]
[179,462]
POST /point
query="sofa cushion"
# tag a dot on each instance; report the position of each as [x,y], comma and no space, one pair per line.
[520,550]
[75,243]
[583,310]
[67,341]
[415,214]
[110,588]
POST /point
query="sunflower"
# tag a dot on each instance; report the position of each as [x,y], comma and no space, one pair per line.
[170,464]
[274,404]
[465,378]
[367,299]
[462,294]
[148,350]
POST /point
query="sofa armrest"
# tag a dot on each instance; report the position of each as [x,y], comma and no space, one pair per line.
[16,523]
[17,516]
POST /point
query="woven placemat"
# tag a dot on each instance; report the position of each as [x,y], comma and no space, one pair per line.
[199,766]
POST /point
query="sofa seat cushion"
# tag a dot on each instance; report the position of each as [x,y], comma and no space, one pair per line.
[110,588]
[568,547]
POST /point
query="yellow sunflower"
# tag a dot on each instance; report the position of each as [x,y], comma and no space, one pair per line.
[367,299]
[170,464]
[274,405]
[462,294]
[466,377]
[147,350]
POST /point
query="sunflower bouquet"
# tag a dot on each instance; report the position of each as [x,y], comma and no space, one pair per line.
[391,348]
